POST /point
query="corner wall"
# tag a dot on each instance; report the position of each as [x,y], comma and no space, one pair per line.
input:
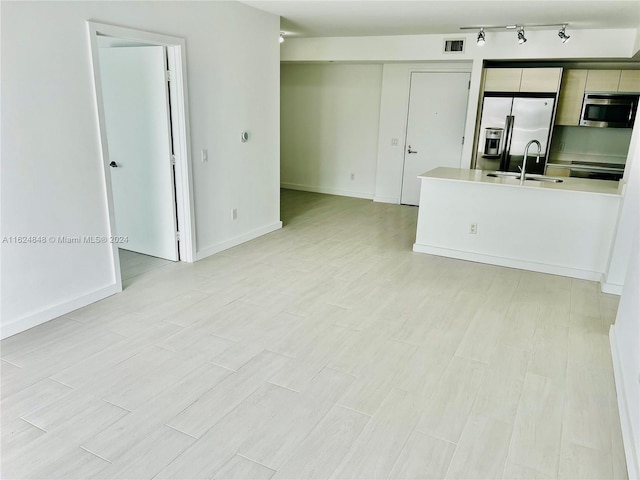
[52,173]
[628,216]
[625,349]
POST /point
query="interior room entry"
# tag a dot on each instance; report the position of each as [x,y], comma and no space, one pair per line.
[435,127]
[138,125]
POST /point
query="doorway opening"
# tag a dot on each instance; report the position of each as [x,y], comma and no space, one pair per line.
[141,98]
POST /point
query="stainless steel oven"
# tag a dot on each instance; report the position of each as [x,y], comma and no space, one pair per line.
[609,110]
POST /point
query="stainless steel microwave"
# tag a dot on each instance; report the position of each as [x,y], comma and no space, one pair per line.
[609,110]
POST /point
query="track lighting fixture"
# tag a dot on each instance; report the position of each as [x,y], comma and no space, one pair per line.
[563,36]
[481,37]
[281,37]
[521,37]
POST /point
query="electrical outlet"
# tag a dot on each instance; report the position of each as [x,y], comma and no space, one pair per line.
[205,155]
[394,142]
[234,214]
[353,176]
[473,229]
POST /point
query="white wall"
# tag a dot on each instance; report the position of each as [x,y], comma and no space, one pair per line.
[624,269]
[52,174]
[627,219]
[625,346]
[329,127]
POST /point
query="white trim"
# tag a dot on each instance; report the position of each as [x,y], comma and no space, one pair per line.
[184,193]
[34,319]
[115,256]
[630,449]
[509,262]
[611,288]
[182,148]
[233,242]
[329,191]
[383,199]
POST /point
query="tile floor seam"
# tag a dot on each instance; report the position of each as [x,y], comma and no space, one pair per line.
[251,460]
[11,363]
[33,424]
[116,405]
[60,382]
[96,455]
[271,382]
[184,433]
[211,362]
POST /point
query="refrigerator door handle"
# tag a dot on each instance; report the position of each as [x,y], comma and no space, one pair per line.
[508,129]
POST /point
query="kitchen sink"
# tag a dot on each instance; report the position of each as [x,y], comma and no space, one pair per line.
[528,176]
[504,175]
[542,178]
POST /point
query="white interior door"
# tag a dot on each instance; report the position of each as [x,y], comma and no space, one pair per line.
[136,109]
[435,127]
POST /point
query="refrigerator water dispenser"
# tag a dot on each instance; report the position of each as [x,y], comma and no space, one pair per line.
[493,138]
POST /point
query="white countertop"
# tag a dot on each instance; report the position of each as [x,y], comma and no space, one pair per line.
[585,158]
[570,184]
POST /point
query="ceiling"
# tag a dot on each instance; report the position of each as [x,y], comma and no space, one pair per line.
[335,18]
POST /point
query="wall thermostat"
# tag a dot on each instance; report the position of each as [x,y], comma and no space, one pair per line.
[244,136]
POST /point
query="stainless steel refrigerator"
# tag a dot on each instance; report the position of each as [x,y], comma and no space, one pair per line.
[518,119]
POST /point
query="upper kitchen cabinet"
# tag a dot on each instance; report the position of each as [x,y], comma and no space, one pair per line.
[603,81]
[629,81]
[576,82]
[502,79]
[571,96]
[530,80]
[540,79]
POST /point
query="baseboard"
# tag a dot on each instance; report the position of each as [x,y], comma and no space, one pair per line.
[509,262]
[235,241]
[383,199]
[33,320]
[612,288]
[630,449]
[327,190]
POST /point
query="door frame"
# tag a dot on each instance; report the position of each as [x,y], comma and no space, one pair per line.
[431,69]
[465,66]
[180,129]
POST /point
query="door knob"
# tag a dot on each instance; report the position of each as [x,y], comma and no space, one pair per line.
[113,164]
[411,151]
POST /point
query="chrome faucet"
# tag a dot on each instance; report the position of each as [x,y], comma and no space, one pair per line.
[524,160]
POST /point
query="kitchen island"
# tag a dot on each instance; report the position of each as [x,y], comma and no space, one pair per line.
[560,228]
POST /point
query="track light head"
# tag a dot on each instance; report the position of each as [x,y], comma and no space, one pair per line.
[481,40]
[521,37]
[281,37]
[519,28]
[563,36]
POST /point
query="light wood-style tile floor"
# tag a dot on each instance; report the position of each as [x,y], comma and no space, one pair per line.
[134,264]
[327,349]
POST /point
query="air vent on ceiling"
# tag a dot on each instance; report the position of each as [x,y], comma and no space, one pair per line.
[454,46]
